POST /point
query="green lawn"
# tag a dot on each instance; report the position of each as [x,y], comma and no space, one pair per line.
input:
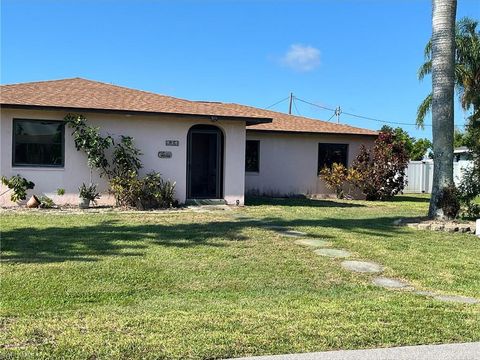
[209,285]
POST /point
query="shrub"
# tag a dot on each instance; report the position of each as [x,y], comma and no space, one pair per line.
[449,202]
[469,190]
[60,192]
[149,192]
[89,192]
[166,194]
[125,189]
[335,178]
[19,186]
[380,172]
[46,202]
[125,157]
[122,170]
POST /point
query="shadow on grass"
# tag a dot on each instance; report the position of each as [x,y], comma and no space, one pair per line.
[422,198]
[260,201]
[116,238]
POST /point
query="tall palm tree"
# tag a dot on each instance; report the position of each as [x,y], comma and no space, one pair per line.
[467,69]
[443,85]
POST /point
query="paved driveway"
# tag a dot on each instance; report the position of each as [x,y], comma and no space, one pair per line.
[466,351]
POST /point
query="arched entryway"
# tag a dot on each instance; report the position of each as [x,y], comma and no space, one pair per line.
[205,162]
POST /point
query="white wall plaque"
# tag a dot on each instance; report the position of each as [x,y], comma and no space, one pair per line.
[164,154]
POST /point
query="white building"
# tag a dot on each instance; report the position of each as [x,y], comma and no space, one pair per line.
[211,150]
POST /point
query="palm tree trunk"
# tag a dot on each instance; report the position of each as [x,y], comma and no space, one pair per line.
[443,78]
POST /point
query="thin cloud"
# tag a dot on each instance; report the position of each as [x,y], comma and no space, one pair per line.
[302,58]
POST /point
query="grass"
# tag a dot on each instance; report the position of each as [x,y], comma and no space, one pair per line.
[207,285]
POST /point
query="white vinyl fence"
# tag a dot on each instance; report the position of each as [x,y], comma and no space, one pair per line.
[420,175]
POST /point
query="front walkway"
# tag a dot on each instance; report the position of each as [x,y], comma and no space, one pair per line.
[466,351]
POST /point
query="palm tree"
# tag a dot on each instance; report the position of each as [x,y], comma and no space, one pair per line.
[443,85]
[467,69]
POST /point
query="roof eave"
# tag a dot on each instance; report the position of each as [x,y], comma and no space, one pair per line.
[214,117]
[309,132]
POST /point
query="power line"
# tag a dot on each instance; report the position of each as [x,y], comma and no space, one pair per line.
[313,104]
[392,122]
[382,121]
[295,106]
[278,102]
[337,112]
[365,117]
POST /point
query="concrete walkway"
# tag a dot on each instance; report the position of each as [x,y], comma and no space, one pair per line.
[466,351]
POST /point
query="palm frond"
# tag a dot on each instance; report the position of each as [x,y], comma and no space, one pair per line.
[423,110]
[425,69]
[427,52]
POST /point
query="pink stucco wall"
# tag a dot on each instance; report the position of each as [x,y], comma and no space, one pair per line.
[150,133]
[289,162]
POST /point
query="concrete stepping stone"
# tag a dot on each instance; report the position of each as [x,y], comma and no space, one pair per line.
[333,253]
[390,283]
[312,242]
[292,233]
[362,266]
[457,299]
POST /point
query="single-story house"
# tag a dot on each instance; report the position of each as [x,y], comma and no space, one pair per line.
[462,153]
[211,150]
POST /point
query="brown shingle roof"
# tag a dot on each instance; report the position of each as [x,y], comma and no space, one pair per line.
[85,94]
[291,123]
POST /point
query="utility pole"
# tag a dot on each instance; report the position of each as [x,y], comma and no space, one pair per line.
[290,105]
[338,111]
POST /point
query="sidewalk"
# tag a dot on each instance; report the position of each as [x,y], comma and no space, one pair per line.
[466,351]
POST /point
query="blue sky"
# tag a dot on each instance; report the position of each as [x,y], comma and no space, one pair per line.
[362,55]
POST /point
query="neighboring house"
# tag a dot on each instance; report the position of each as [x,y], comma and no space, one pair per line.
[211,150]
[462,153]
[420,173]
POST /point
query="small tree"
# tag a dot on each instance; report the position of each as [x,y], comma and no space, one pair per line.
[19,186]
[381,170]
[416,148]
[420,149]
[88,139]
[122,170]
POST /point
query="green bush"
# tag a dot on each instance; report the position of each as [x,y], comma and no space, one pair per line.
[89,192]
[468,191]
[46,202]
[121,168]
[449,201]
[149,192]
[125,189]
[125,158]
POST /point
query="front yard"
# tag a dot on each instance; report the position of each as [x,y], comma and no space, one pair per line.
[222,284]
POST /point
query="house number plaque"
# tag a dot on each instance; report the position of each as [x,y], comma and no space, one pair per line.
[164,154]
[171,142]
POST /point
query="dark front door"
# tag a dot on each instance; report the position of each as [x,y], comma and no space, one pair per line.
[204,163]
